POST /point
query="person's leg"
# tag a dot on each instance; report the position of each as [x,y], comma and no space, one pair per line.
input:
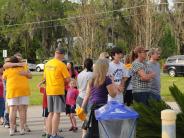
[12,117]
[141,97]
[27,129]
[154,96]
[45,124]
[129,97]
[71,128]
[74,122]
[55,123]
[68,108]
[2,110]
[50,103]
[72,114]
[6,116]
[22,115]
[49,123]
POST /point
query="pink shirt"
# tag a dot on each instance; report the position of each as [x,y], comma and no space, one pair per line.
[71,96]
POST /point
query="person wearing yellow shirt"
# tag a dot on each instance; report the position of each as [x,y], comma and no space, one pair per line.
[21,63]
[17,94]
[56,75]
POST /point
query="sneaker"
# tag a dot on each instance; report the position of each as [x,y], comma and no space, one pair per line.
[6,125]
[44,134]
[75,129]
[27,129]
[16,129]
[47,136]
[22,132]
[60,130]
[12,132]
[56,136]
[71,128]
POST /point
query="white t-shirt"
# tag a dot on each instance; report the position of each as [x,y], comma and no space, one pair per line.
[82,80]
[118,71]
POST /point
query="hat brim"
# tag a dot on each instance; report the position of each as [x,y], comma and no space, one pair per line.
[146,50]
[59,52]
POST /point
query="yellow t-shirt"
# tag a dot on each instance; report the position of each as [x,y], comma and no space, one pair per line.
[16,85]
[55,72]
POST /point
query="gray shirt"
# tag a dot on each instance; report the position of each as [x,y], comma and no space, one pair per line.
[155,82]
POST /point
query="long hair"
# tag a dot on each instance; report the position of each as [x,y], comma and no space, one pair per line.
[128,59]
[100,72]
[133,55]
[72,70]
[104,55]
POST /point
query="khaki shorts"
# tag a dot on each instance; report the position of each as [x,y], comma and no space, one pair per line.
[23,100]
[56,103]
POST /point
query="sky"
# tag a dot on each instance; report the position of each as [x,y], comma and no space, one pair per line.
[170,2]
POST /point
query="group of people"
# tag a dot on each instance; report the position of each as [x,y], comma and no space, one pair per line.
[63,88]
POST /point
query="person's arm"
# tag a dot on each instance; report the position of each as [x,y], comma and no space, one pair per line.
[122,84]
[10,65]
[67,80]
[88,93]
[145,76]
[40,83]
[26,74]
[112,90]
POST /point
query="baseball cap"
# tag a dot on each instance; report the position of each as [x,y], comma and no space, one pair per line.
[60,50]
[140,49]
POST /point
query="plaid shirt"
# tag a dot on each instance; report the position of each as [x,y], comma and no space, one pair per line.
[137,83]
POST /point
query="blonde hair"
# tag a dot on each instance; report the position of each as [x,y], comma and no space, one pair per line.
[103,55]
[100,71]
[73,80]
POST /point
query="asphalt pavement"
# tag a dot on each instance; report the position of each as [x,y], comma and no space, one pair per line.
[35,123]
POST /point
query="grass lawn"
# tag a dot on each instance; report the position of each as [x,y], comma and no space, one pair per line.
[166,81]
[36,96]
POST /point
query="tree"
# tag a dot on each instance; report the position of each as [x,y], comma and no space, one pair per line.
[177,22]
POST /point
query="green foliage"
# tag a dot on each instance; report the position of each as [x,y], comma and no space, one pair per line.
[179,98]
[167,43]
[149,123]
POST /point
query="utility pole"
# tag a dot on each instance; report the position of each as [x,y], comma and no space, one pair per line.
[147,24]
[113,21]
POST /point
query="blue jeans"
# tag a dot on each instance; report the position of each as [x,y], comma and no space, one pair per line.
[144,97]
[2,107]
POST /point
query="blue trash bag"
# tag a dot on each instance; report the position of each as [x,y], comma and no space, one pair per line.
[115,111]
[116,120]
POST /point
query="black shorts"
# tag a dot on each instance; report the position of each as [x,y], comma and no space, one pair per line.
[45,112]
[70,109]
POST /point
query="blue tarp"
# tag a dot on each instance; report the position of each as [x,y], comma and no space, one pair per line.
[115,111]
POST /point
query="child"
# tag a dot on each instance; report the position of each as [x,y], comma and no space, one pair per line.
[44,104]
[2,101]
[71,103]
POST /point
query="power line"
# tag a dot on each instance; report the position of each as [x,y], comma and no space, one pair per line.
[87,15]
[53,26]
